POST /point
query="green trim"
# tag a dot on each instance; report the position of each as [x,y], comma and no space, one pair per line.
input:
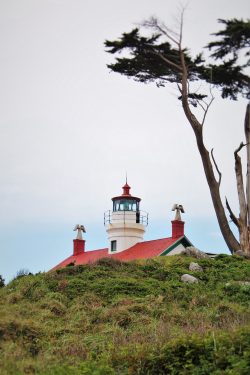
[183,240]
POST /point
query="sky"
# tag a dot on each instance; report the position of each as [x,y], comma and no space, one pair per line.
[70,129]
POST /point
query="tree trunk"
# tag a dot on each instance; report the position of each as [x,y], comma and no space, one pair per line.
[214,188]
[242,221]
[247,135]
[244,201]
[213,184]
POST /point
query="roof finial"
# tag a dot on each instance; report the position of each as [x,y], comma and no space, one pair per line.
[178,208]
[126,187]
[80,229]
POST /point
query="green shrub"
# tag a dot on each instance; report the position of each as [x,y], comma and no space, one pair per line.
[87,368]
[195,355]
[109,263]
[238,292]
[23,272]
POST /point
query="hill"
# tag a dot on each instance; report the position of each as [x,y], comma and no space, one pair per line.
[128,318]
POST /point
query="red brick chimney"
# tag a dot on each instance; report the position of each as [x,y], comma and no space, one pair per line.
[79,242]
[78,246]
[177,228]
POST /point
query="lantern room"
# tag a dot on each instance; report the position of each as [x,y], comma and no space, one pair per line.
[126,202]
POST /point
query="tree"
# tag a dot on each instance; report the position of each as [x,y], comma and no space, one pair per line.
[161,58]
[1,282]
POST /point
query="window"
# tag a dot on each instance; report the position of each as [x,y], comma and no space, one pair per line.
[125,205]
[113,245]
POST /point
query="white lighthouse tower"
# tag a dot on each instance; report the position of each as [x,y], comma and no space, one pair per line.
[125,224]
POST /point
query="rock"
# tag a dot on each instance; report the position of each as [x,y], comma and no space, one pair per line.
[241,253]
[192,251]
[189,279]
[195,267]
[244,283]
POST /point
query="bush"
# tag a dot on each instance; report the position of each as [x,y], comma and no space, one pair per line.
[109,263]
[86,368]
[23,272]
[54,306]
[25,332]
[195,355]
[238,292]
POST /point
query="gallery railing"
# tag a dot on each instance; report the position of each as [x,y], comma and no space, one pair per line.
[140,217]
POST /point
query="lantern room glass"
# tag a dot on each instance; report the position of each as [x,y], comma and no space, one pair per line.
[125,205]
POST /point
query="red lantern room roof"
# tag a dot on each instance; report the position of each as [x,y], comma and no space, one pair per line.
[126,194]
[126,189]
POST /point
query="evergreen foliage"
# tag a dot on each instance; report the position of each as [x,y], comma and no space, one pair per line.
[148,59]
[128,318]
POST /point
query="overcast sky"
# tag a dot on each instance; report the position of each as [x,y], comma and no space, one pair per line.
[70,129]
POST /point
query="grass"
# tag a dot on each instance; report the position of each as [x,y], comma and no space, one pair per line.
[128,318]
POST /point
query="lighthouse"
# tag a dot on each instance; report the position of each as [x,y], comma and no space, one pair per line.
[126,223]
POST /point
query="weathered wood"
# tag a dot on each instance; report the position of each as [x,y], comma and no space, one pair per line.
[243,227]
[247,135]
[232,215]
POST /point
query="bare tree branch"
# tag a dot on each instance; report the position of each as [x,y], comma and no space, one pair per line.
[179,88]
[202,107]
[206,111]
[188,87]
[154,23]
[216,166]
[239,148]
[232,215]
[181,25]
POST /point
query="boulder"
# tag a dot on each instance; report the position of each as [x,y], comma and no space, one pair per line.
[192,251]
[189,279]
[195,267]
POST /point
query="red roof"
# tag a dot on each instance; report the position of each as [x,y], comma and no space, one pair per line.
[142,250]
[83,258]
[146,249]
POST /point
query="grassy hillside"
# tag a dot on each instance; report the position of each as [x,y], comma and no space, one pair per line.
[128,318]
